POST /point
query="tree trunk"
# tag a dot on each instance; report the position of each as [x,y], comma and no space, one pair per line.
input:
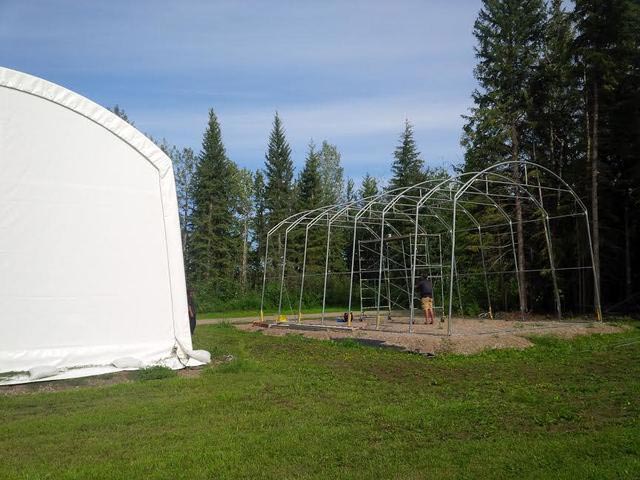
[594,191]
[519,227]
[627,249]
[588,138]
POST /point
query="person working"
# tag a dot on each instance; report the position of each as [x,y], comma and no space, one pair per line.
[425,288]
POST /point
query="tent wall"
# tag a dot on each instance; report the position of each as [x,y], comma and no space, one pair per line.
[90,254]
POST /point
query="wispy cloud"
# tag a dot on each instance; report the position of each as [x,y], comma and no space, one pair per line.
[346,71]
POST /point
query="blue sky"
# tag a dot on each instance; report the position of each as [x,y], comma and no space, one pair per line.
[345,71]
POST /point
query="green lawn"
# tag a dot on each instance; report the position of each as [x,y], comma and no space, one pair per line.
[290,407]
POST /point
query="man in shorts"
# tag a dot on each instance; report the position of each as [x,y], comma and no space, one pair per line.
[425,288]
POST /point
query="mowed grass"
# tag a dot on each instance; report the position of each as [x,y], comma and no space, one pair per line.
[290,407]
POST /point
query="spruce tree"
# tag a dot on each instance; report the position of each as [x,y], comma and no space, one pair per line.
[331,173]
[408,167]
[350,191]
[184,166]
[310,197]
[369,187]
[259,224]
[279,198]
[214,241]
[598,24]
[509,35]
[310,192]
[119,111]
[245,212]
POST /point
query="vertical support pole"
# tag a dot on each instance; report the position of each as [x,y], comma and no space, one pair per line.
[427,249]
[596,283]
[484,269]
[554,278]
[264,278]
[453,264]
[404,263]
[388,275]
[458,289]
[360,268]
[304,268]
[380,271]
[441,273]
[353,260]
[326,271]
[547,236]
[515,263]
[413,270]
[284,266]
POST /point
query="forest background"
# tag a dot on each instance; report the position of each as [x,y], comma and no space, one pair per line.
[558,84]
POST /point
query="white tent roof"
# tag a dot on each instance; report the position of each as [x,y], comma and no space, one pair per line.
[91,265]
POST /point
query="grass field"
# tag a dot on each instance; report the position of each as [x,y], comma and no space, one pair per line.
[289,407]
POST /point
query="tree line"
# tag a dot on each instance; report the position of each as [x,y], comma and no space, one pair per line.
[561,87]
[226,211]
[558,85]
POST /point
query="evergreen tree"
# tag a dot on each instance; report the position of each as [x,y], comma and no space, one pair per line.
[350,191]
[554,114]
[214,241]
[184,167]
[331,173]
[122,114]
[408,167]
[369,187]
[259,225]
[245,212]
[310,192]
[279,198]
[509,35]
[598,24]
[310,197]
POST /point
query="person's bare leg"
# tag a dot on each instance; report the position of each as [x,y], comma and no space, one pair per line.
[430,314]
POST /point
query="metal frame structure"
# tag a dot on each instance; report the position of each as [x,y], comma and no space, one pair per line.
[455,211]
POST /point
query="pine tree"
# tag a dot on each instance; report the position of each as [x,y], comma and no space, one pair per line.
[214,242]
[369,187]
[122,114]
[259,224]
[598,24]
[245,207]
[184,166]
[350,191]
[331,173]
[509,35]
[279,198]
[310,192]
[408,167]
[310,197]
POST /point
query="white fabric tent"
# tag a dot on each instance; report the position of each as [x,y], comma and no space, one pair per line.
[91,266]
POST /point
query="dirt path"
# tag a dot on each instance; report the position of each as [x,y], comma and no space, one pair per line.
[471,335]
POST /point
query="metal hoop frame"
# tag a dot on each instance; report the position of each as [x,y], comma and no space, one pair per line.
[433,207]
